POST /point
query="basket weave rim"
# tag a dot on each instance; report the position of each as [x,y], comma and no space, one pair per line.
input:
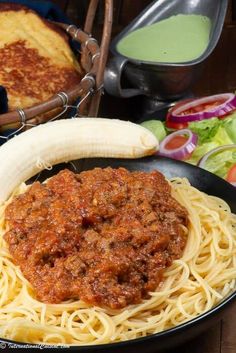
[91,83]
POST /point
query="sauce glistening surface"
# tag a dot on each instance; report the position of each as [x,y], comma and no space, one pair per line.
[104,236]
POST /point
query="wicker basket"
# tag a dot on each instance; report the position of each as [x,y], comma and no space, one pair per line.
[92,59]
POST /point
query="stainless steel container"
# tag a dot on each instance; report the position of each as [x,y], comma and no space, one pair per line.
[162,81]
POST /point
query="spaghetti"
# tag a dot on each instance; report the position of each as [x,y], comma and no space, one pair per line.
[192,285]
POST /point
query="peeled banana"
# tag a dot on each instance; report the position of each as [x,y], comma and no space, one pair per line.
[61,141]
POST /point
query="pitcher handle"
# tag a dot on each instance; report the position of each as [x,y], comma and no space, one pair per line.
[112,79]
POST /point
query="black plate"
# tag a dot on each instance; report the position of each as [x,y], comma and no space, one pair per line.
[202,180]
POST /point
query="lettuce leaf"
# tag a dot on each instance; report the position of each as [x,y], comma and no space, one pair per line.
[156,127]
[221,162]
[230,126]
[220,138]
[205,129]
[200,151]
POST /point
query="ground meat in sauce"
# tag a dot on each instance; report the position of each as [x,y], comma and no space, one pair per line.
[104,236]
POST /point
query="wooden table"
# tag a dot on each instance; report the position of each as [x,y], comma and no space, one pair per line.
[221,338]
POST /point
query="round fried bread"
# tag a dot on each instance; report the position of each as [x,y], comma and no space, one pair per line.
[36,60]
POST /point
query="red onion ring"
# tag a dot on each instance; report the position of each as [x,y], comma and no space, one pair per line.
[202,161]
[181,152]
[226,107]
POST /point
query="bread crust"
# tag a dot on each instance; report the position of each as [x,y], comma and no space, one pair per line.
[36,60]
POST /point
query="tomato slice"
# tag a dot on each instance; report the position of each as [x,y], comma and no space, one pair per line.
[203,107]
[231,176]
[174,125]
[176,142]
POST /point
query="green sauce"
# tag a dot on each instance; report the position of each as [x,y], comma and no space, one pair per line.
[176,39]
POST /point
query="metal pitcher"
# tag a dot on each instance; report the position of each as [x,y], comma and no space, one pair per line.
[126,77]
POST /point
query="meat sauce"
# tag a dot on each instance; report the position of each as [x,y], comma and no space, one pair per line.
[104,236]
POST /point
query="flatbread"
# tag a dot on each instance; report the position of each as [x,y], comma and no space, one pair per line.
[36,60]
